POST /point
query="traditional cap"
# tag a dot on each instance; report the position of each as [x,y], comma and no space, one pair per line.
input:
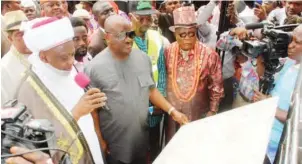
[47,33]
[184,17]
[28,3]
[144,8]
[13,20]
[81,13]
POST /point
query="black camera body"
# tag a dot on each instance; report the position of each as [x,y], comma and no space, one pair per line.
[19,129]
[273,46]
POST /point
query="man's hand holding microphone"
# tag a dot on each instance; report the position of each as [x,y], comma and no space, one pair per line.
[91,100]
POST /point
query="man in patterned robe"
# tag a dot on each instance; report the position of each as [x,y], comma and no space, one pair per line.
[194,78]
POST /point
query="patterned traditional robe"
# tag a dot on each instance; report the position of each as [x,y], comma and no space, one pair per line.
[194,82]
[42,104]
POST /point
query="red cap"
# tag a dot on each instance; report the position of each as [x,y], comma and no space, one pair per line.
[82,80]
[44,22]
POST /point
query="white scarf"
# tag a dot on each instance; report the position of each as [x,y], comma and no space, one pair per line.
[62,85]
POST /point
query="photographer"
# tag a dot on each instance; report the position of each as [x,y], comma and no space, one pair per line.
[284,86]
[230,41]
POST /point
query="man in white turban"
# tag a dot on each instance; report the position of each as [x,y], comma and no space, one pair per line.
[49,91]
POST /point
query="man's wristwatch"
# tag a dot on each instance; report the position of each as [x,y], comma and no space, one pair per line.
[171,110]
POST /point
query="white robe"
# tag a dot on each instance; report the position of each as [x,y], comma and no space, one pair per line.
[12,71]
[248,16]
[68,93]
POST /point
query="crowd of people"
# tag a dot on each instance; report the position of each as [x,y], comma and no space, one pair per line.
[152,68]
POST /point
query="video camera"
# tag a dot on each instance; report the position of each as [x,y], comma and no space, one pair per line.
[273,46]
[19,129]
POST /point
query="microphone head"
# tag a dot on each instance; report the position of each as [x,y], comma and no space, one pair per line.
[82,80]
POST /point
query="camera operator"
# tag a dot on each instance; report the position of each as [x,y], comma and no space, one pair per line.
[284,86]
[29,158]
[228,42]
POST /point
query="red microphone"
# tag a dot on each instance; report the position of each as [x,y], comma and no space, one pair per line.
[84,82]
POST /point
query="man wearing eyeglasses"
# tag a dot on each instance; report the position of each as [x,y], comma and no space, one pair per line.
[125,75]
[153,44]
[194,78]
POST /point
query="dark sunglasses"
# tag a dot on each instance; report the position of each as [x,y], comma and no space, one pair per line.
[130,34]
[185,34]
[123,35]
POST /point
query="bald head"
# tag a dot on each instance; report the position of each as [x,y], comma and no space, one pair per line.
[101,11]
[116,24]
[118,35]
[99,6]
[295,47]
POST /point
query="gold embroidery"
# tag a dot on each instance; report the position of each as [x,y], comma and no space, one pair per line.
[20,57]
[76,152]
[65,144]
[62,142]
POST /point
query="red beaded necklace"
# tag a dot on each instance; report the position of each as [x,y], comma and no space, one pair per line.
[197,65]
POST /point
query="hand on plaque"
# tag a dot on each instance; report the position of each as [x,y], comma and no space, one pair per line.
[258,96]
[179,117]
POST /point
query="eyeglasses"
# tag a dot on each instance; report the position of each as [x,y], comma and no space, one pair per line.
[190,34]
[123,35]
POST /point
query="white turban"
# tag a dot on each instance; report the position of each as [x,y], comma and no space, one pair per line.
[81,13]
[28,3]
[47,34]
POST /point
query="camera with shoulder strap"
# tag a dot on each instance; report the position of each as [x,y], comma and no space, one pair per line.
[18,128]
